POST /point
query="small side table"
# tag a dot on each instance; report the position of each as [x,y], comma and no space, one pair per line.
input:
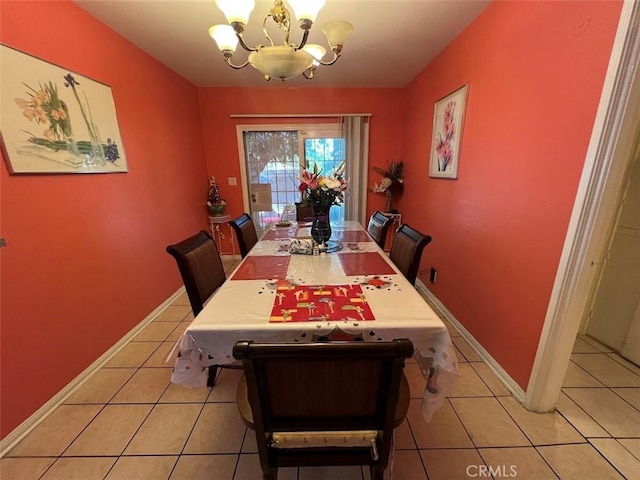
[218,235]
[397,221]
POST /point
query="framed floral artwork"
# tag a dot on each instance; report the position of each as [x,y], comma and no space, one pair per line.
[53,120]
[448,118]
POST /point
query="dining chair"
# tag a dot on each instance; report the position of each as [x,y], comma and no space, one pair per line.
[406,251]
[378,226]
[326,403]
[246,233]
[303,213]
[202,273]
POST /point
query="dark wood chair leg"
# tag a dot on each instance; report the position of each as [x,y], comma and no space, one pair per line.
[377,473]
[211,379]
[271,474]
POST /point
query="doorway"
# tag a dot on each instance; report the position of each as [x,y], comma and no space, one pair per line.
[271,163]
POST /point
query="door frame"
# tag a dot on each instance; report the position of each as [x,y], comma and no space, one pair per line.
[594,212]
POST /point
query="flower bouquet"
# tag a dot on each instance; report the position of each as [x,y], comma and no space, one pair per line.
[392,183]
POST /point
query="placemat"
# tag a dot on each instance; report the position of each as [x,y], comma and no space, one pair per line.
[262,267]
[366,263]
[280,233]
[319,303]
[353,236]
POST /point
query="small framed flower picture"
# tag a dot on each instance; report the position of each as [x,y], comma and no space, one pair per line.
[448,118]
[54,120]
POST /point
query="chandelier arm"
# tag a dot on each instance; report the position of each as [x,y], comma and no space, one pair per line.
[336,56]
[244,45]
[305,37]
[237,67]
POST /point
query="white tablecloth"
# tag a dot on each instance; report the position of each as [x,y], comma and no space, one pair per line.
[240,310]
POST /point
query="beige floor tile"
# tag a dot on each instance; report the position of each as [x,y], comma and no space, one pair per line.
[57,431]
[623,361]
[146,386]
[249,469]
[466,349]
[156,332]
[417,382]
[606,370]
[443,431]
[594,343]
[619,456]
[226,386]
[249,444]
[178,331]
[110,431]
[632,445]
[176,393]
[461,358]
[142,468]
[578,462]
[407,465]
[329,473]
[517,462]
[173,313]
[614,414]
[491,379]
[541,428]
[580,346]
[403,439]
[452,330]
[452,464]
[88,468]
[159,356]
[101,386]
[202,467]
[182,299]
[631,395]
[586,425]
[576,376]
[494,428]
[24,468]
[133,354]
[165,430]
[218,430]
[469,384]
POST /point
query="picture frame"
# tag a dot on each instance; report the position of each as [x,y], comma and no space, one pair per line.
[448,123]
[54,120]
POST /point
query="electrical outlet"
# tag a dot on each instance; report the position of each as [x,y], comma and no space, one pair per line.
[232,181]
[433,275]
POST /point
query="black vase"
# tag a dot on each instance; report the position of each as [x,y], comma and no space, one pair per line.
[321,228]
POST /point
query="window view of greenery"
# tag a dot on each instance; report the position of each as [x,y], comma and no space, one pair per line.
[273,158]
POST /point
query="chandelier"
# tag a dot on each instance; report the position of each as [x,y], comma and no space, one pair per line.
[279,61]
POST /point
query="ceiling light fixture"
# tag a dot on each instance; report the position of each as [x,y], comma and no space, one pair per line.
[279,61]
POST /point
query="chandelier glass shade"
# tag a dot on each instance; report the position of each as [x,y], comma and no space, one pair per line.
[284,61]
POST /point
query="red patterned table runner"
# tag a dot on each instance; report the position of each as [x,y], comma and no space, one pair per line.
[262,267]
[319,303]
[368,263]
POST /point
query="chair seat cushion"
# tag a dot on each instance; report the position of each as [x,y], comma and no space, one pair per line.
[247,416]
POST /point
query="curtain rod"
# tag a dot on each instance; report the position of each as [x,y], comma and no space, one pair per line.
[297,115]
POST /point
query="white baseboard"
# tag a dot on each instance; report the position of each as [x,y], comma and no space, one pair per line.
[22,430]
[495,367]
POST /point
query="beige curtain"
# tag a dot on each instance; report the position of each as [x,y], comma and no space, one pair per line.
[355,130]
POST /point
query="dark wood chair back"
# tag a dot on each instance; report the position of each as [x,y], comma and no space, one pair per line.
[337,387]
[245,233]
[200,266]
[378,226]
[304,213]
[406,251]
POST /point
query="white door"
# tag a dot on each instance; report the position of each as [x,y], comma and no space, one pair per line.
[615,320]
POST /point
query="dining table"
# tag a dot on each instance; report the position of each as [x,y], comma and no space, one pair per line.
[352,292]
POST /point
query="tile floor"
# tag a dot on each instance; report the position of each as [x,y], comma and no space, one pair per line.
[129,422]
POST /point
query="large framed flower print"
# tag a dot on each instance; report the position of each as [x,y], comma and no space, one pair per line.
[53,120]
[448,118]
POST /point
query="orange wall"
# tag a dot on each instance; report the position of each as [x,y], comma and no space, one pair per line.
[85,261]
[535,71]
[385,104]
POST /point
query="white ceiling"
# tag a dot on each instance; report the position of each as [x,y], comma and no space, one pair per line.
[391,43]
